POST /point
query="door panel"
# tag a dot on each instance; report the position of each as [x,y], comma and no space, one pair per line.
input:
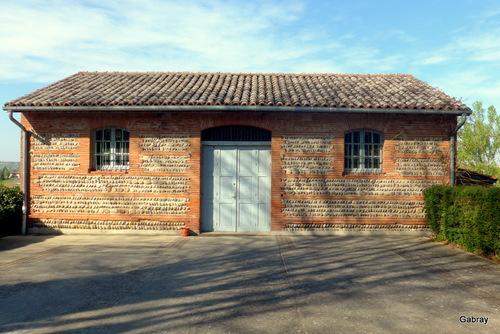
[245,188]
[246,215]
[263,190]
[226,217]
[225,189]
[264,216]
[246,160]
[207,188]
[239,199]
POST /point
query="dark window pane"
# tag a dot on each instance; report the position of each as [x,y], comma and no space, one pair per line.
[126,135]
[355,163]
[376,138]
[107,134]
[346,163]
[98,135]
[368,163]
[105,159]
[356,137]
[355,150]
[376,150]
[118,134]
[368,150]
[368,137]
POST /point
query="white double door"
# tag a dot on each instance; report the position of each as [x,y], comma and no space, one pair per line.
[236,188]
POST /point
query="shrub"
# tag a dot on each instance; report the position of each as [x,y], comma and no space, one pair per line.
[11,202]
[468,216]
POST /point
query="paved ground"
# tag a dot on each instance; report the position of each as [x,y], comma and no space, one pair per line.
[243,284]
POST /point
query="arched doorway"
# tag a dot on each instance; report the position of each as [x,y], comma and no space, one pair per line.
[236,179]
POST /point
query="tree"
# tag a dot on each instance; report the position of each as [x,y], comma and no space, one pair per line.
[11,202]
[4,175]
[479,141]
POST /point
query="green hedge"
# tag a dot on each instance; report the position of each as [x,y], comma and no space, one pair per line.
[11,203]
[467,216]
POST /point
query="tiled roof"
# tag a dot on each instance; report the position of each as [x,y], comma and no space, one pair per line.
[392,91]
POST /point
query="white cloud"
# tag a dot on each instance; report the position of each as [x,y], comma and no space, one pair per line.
[467,65]
[48,40]
[471,85]
[56,38]
[481,46]
[436,59]
[470,50]
[151,35]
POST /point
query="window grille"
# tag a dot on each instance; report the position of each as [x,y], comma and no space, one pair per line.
[236,133]
[363,152]
[111,149]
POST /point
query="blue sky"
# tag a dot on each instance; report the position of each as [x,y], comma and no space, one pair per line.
[452,45]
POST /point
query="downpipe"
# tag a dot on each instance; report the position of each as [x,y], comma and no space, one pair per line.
[26,137]
[453,149]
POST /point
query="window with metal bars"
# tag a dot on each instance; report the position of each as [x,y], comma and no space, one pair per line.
[111,149]
[363,151]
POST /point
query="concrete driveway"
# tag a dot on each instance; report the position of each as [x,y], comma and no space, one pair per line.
[105,283]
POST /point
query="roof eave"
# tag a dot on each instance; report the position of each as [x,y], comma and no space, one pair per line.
[247,108]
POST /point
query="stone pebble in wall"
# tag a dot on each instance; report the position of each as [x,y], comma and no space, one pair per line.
[356,187]
[164,163]
[307,144]
[110,205]
[421,167]
[113,183]
[353,208]
[418,146]
[108,224]
[56,141]
[55,162]
[354,227]
[164,143]
[307,165]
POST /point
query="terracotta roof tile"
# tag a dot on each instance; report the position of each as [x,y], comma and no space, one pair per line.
[394,91]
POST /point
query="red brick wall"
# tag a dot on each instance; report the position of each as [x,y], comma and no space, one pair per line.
[73,195]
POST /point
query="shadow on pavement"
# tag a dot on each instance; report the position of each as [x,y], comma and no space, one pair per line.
[18,241]
[238,287]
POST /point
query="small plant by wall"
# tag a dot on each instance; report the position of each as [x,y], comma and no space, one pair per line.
[467,216]
[11,202]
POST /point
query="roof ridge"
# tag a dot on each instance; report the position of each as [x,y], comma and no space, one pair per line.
[245,73]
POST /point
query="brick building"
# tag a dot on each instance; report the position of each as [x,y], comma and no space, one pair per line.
[235,151]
